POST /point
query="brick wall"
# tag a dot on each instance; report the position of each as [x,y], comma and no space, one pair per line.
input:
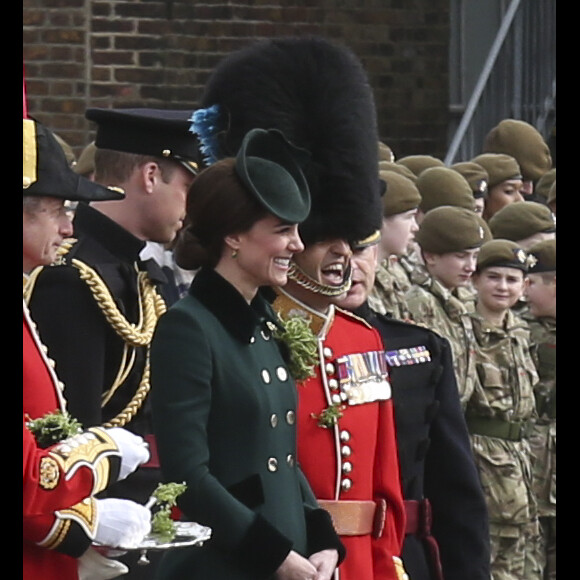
[81,53]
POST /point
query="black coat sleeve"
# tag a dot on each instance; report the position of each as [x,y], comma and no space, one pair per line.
[460,519]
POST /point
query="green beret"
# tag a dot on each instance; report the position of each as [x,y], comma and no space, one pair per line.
[67,150]
[499,167]
[543,257]
[401,194]
[386,153]
[451,229]
[476,176]
[443,186]
[504,253]
[545,182]
[418,163]
[552,194]
[523,142]
[86,163]
[521,220]
[400,169]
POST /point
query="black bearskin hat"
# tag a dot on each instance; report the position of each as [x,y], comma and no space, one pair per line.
[318,95]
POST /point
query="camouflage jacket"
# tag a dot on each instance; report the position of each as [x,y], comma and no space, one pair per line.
[388,294]
[504,396]
[433,306]
[543,436]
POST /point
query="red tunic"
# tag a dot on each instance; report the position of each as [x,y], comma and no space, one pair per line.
[357,458]
[50,484]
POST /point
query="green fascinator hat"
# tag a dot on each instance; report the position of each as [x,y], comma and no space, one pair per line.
[271,168]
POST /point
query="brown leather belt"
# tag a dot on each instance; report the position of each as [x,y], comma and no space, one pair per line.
[356,518]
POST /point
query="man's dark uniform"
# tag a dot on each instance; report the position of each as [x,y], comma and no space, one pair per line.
[106,302]
[435,457]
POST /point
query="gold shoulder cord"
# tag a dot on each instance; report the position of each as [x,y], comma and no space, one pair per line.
[151,307]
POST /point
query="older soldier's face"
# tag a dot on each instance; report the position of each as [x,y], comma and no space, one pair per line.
[45,224]
[364,265]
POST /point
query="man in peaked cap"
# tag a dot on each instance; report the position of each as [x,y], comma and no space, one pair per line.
[318,95]
[449,238]
[97,309]
[526,145]
[61,515]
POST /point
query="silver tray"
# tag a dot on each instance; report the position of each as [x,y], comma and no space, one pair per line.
[186,534]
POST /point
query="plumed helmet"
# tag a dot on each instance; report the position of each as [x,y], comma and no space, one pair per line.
[317,94]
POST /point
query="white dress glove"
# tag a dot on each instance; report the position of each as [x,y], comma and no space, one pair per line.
[134,450]
[95,566]
[121,523]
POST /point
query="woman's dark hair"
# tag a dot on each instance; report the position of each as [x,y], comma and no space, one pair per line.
[218,205]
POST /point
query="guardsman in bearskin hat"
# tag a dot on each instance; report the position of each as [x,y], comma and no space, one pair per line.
[61,516]
[96,309]
[318,95]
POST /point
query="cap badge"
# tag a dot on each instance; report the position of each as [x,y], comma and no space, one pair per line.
[531,261]
[520,256]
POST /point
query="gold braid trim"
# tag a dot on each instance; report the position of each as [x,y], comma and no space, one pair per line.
[135,404]
[152,306]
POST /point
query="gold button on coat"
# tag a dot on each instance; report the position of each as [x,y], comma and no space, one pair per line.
[272,464]
[290,417]
[273,419]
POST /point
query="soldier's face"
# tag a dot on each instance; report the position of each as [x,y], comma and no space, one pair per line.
[541,294]
[165,209]
[325,262]
[501,195]
[398,232]
[45,225]
[364,265]
[452,269]
[499,288]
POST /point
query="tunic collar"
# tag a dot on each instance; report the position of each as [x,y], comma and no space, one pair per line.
[114,238]
[229,306]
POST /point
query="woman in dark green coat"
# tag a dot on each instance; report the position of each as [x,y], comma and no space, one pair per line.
[224,403]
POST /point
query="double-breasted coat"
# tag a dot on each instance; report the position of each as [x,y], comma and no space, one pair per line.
[224,410]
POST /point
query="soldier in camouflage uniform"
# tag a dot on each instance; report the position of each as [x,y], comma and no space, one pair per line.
[439,186]
[449,238]
[400,204]
[501,409]
[541,318]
